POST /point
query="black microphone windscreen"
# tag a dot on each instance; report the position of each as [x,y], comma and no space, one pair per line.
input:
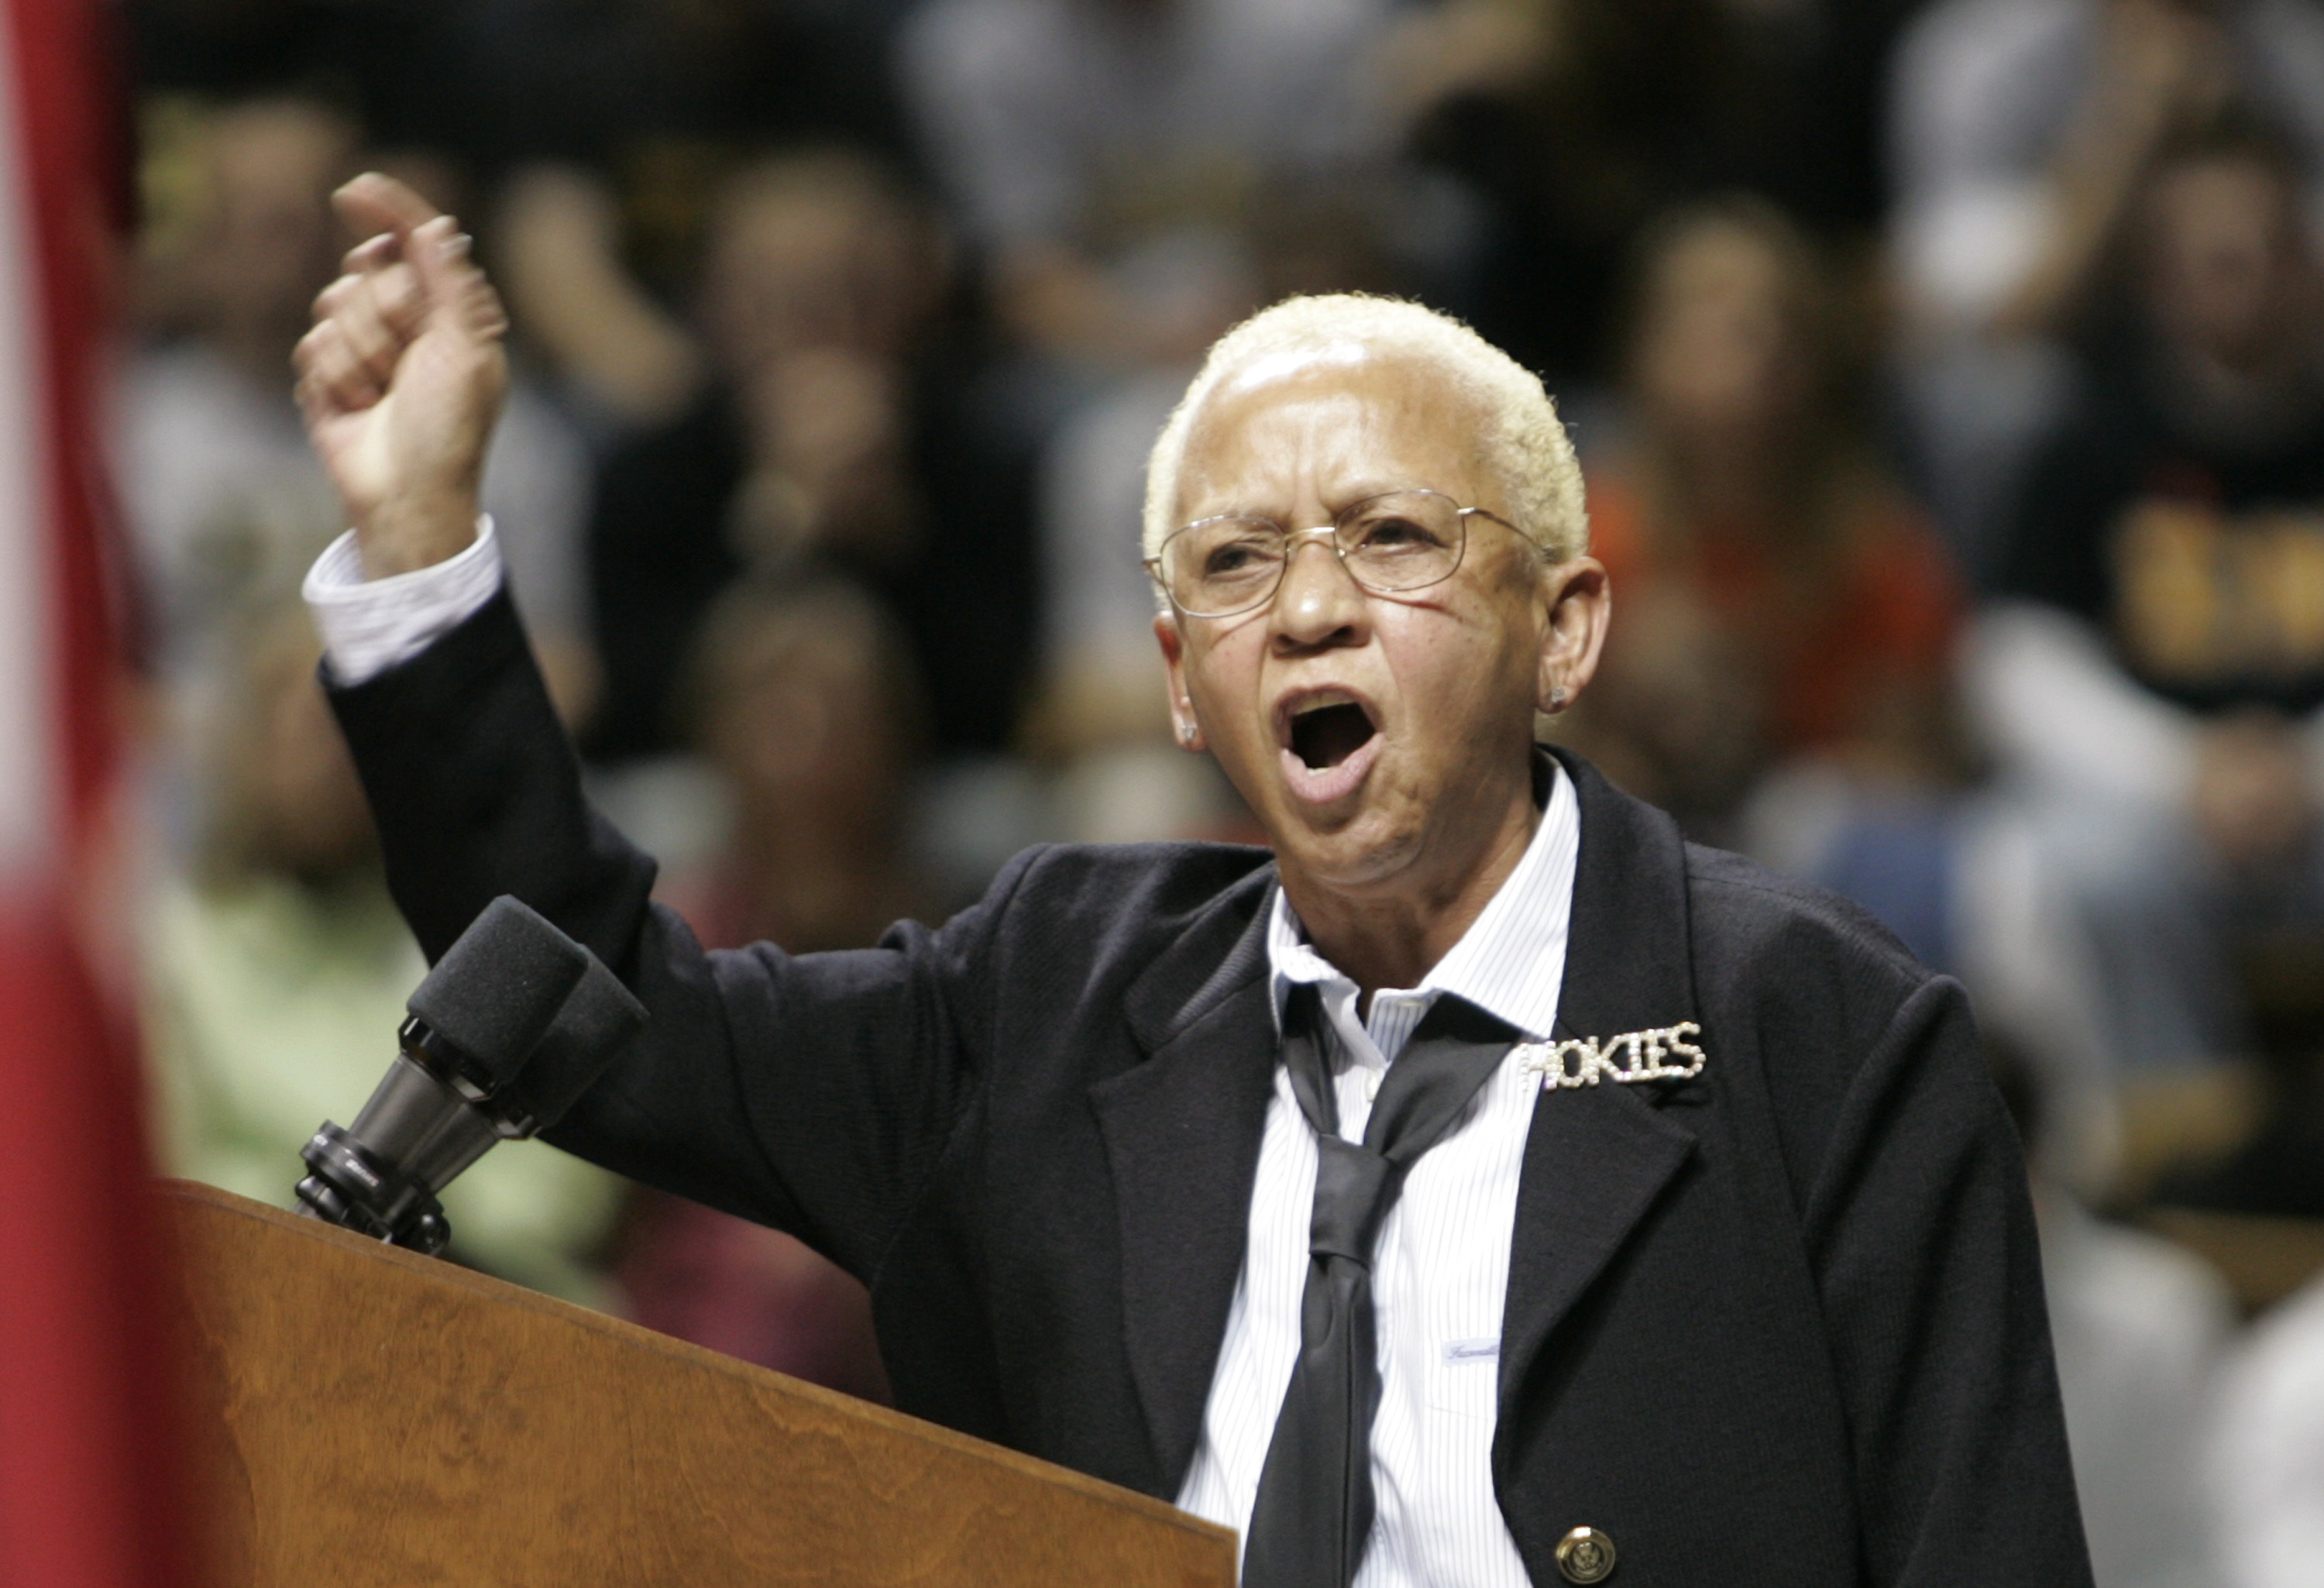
[600,1016]
[497,989]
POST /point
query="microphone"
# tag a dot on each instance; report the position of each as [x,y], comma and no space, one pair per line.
[504,1035]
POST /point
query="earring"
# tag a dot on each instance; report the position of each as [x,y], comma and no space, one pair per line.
[1186,733]
[1557,697]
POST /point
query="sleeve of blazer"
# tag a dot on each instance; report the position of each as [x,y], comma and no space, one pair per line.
[814,1093]
[1921,1230]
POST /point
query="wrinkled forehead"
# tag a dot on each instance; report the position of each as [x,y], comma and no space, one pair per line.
[1341,421]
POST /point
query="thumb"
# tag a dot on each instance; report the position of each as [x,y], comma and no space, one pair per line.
[375,203]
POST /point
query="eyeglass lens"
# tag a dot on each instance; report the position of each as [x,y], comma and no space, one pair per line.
[1402,541]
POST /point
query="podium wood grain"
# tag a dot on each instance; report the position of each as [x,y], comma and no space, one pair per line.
[370,1416]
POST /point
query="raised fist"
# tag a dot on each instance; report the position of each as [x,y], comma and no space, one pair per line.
[401,377]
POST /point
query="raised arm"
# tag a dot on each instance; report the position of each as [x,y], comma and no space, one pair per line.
[810,1093]
[402,376]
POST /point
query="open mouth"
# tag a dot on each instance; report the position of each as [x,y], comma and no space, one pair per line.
[1327,732]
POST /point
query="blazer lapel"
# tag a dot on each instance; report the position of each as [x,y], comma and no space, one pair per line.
[1597,1156]
[1182,1133]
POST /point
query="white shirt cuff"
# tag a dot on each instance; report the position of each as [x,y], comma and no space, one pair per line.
[370,625]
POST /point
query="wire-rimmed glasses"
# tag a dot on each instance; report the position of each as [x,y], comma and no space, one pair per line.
[1391,545]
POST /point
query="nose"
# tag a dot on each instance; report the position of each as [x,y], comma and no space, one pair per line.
[1319,602]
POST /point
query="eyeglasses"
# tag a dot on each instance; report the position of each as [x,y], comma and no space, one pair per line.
[1390,545]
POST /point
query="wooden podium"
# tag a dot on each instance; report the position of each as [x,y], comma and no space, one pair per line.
[369,1417]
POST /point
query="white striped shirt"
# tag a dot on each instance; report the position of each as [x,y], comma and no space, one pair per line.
[1442,1267]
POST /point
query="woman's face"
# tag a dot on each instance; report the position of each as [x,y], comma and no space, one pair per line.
[810,734]
[2223,260]
[1716,350]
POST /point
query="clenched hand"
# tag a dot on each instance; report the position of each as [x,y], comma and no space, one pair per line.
[401,377]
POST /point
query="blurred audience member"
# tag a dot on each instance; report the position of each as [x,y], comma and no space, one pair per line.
[277,971]
[1580,121]
[826,434]
[1105,157]
[225,496]
[2140,1327]
[2024,127]
[622,361]
[2277,1169]
[2019,130]
[2153,682]
[1782,599]
[226,500]
[2266,1472]
[803,699]
[610,127]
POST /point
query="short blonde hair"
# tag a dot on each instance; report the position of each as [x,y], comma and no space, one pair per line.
[1523,441]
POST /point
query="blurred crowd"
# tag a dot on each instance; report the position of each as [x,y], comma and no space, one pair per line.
[1949,375]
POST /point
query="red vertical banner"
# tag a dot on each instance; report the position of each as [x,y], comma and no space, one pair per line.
[89,1469]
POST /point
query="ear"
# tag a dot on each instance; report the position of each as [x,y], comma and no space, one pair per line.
[1183,722]
[1578,600]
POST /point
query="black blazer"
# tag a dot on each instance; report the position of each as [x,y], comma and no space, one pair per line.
[1779,1325]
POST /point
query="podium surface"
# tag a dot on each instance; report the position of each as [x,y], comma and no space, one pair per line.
[366,1416]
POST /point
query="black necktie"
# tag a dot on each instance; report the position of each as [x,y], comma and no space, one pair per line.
[1313,1514]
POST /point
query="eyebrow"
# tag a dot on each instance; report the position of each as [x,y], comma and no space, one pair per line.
[1345,500]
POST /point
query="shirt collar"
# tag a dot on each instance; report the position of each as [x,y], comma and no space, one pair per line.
[1511,961]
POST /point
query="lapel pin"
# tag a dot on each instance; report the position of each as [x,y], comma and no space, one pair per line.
[1660,1052]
